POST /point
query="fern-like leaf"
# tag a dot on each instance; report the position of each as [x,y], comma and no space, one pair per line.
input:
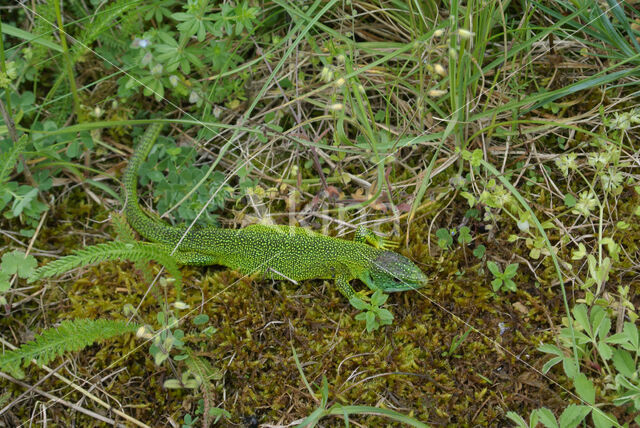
[70,335]
[44,18]
[9,159]
[124,232]
[102,21]
[134,251]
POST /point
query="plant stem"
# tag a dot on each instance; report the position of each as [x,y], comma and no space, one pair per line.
[67,59]
[3,68]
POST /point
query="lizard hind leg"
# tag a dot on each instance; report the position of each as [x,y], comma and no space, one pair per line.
[366,236]
[193,258]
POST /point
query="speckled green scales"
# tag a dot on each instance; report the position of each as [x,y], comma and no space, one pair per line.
[278,252]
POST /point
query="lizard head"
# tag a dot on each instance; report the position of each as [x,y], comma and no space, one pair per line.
[391,272]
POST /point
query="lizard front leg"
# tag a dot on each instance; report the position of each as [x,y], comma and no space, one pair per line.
[366,236]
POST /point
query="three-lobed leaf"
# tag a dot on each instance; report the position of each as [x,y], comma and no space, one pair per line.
[16,262]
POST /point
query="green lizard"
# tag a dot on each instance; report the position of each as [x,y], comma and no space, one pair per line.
[278,252]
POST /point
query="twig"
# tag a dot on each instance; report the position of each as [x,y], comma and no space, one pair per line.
[61,401]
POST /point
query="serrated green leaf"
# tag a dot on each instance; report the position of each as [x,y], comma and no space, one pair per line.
[15,262]
[550,349]
[517,419]
[570,367]
[623,362]
[605,350]
[547,418]
[584,388]
[633,333]
[68,336]
[5,282]
[573,415]
[602,420]
[549,364]
[581,317]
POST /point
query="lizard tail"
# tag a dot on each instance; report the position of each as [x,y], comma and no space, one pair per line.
[152,230]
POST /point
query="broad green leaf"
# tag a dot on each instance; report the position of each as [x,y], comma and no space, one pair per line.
[584,388]
[623,362]
[510,271]
[605,350]
[378,298]
[15,262]
[602,420]
[517,419]
[201,319]
[552,362]
[479,251]
[359,304]
[570,367]
[510,285]
[550,349]
[370,318]
[5,282]
[547,418]
[633,333]
[385,315]
[493,268]
[573,415]
[581,317]
[172,384]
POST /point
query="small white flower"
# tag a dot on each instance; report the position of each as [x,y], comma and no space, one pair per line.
[336,107]
[438,33]
[140,43]
[503,328]
[194,97]
[157,69]
[173,79]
